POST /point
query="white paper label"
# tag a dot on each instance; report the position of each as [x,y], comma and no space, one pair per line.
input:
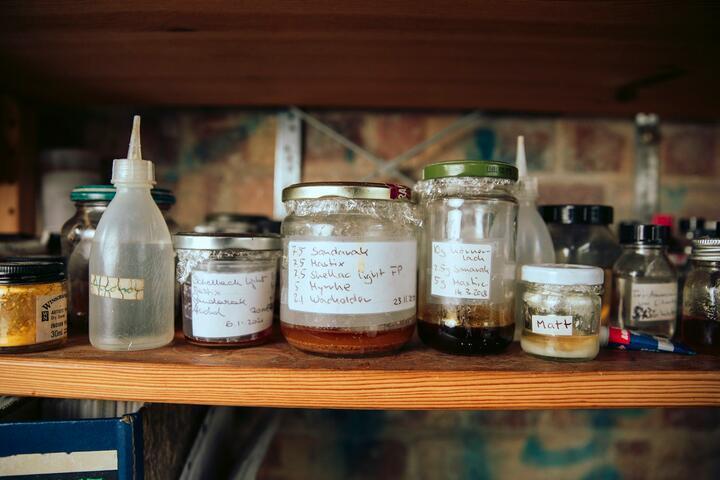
[555,325]
[351,277]
[461,270]
[114,287]
[50,317]
[652,302]
[226,305]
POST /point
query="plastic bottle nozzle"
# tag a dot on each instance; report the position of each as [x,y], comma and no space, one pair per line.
[520,161]
[134,149]
[133,169]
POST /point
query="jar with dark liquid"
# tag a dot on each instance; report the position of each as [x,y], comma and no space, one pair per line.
[700,326]
[467,256]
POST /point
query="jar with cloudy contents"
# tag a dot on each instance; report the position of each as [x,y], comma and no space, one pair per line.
[467,256]
[349,267]
[561,307]
[227,287]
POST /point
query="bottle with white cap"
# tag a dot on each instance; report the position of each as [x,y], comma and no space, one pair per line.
[132,262]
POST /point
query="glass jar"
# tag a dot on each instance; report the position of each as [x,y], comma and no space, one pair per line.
[77,236]
[33,308]
[700,325]
[581,236]
[645,285]
[227,287]
[560,305]
[349,267]
[467,256]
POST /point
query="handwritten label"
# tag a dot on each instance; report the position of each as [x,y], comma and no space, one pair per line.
[555,325]
[226,305]
[51,317]
[114,287]
[461,270]
[652,302]
[351,277]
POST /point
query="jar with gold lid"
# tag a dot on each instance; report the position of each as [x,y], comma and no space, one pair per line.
[349,267]
[33,305]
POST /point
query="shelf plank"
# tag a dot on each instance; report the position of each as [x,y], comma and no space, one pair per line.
[276,375]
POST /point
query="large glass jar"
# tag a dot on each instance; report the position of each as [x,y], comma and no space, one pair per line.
[467,256]
[700,325]
[645,285]
[581,236]
[77,235]
[349,267]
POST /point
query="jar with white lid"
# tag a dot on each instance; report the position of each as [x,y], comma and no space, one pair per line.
[467,256]
[349,267]
[561,306]
[227,287]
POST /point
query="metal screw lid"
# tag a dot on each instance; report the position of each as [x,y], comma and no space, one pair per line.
[470,168]
[222,241]
[31,271]
[354,190]
[706,249]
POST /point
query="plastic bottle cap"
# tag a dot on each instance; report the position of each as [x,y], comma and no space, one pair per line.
[644,234]
[577,214]
[562,274]
[663,219]
[133,169]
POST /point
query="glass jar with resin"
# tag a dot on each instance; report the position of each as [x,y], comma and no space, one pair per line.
[33,306]
[349,267]
[701,297]
[645,284]
[227,287]
[561,307]
[467,256]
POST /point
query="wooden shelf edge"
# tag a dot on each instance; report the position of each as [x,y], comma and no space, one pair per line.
[356,389]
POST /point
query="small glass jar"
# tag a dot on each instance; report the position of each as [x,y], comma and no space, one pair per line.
[227,287]
[560,306]
[700,325]
[76,238]
[581,236]
[33,306]
[467,256]
[645,285]
[349,267]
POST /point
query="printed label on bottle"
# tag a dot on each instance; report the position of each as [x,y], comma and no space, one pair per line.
[461,270]
[50,317]
[652,302]
[555,325]
[226,305]
[114,287]
[351,277]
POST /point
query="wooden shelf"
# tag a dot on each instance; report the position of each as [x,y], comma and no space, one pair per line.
[590,57]
[276,375]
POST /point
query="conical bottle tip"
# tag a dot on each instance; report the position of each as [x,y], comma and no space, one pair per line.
[520,160]
[135,149]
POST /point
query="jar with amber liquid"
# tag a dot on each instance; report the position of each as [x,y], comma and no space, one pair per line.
[467,256]
[348,268]
[700,326]
[33,306]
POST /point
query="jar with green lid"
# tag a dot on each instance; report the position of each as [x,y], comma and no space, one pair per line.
[467,256]
[33,308]
[76,237]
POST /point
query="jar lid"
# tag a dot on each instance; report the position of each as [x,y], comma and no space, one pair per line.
[31,271]
[577,214]
[706,249]
[355,190]
[644,234]
[229,217]
[470,168]
[692,224]
[105,193]
[562,274]
[222,241]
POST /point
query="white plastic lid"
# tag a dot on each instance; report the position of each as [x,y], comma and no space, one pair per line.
[133,169]
[562,274]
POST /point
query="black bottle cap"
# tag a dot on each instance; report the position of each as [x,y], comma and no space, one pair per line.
[692,224]
[644,234]
[577,214]
[31,271]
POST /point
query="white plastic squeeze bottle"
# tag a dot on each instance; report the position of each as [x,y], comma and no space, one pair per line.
[132,262]
[534,244]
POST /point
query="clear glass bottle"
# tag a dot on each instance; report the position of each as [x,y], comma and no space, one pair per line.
[645,282]
[349,267]
[467,256]
[581,236]
[700,327]
[560,306]
[132,263]
[77,235]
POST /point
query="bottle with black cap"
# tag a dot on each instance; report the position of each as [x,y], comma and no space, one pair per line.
[581,235]
[645,286]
